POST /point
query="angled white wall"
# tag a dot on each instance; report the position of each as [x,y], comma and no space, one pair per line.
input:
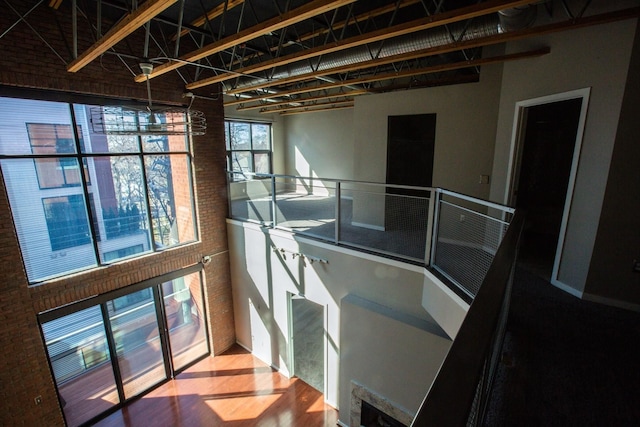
[263,280]
[597,58]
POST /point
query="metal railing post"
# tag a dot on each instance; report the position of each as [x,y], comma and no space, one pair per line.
[338,196]
[274,221]
[436,222]
[430,225]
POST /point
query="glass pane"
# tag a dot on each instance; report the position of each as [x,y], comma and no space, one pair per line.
[226,136]
[58,172]
[239,136]
[185,319]
[164,143]
[96,142]
[35,127]
[261,162]
[169,183]
[81,362]
[261,136]
[241,161]
[138,348]
[119,199]
[52,224]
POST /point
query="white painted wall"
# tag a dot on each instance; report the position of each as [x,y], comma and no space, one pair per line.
[320,144]
[595,57]
[262,280]
[465,130]
[393,354]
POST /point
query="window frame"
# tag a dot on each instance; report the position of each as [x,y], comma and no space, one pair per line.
[235,174]
[88,191]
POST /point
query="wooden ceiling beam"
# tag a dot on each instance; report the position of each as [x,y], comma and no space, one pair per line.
[469,44]
[301,100]
[122,29]
[432,21]
[409,73]
[362,17]
[308,10]
[211,15]
[314,110]
[308,107]
[338,26]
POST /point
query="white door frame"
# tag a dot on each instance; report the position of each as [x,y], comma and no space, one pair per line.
[515,156]
[325,342]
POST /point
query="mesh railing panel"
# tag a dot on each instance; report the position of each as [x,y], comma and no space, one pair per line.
[388,223]
[251,200]
[306,206]
[466,244]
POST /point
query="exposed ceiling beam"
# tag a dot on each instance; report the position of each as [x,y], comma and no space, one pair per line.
[337,26]
[411,72]
[321,105]
[55,4]
[450,80]
[315,110]
[211,15]
[306,11]
[469,44]
[432,21]
[122,29]
[298,101]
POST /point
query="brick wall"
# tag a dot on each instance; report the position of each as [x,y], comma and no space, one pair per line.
[26,62]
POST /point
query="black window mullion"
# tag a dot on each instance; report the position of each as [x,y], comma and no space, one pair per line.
[85,187]
[111,343]
[163,328]
[145,185]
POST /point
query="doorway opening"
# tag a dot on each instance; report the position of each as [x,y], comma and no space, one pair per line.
[546,153]
[410,148]
[307,341]
[110,349]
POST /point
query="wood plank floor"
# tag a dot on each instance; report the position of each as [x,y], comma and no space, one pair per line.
[234,389]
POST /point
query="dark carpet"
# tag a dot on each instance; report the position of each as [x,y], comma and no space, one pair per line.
[566,362]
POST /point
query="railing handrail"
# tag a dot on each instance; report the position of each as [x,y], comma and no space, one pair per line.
[440,190]
[452,393]
[350,181]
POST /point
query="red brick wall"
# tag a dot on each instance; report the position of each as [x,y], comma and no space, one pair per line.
[26,62]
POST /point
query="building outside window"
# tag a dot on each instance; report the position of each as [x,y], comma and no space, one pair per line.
[248,147]
[134,196]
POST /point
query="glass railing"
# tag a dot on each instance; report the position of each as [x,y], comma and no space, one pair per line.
[454,234]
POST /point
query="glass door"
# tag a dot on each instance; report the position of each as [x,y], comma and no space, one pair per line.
[184,311]
[135,331]
[116,346]
[81,362]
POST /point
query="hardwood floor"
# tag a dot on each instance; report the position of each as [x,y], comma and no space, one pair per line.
[234,389]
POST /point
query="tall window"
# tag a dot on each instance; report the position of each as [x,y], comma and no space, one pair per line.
[134,195]
[248,147]
[106,350]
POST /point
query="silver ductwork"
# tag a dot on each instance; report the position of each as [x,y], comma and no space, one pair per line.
[489,25]
[517,18]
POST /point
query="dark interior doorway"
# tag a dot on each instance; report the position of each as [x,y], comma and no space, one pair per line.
[410,142]
[410,146]
[549,141]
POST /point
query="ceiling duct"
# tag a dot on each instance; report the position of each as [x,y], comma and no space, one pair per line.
[517,18]
[508,20]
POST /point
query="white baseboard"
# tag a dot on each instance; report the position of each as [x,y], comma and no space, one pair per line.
[597,298]
[568,289]
[611,302]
